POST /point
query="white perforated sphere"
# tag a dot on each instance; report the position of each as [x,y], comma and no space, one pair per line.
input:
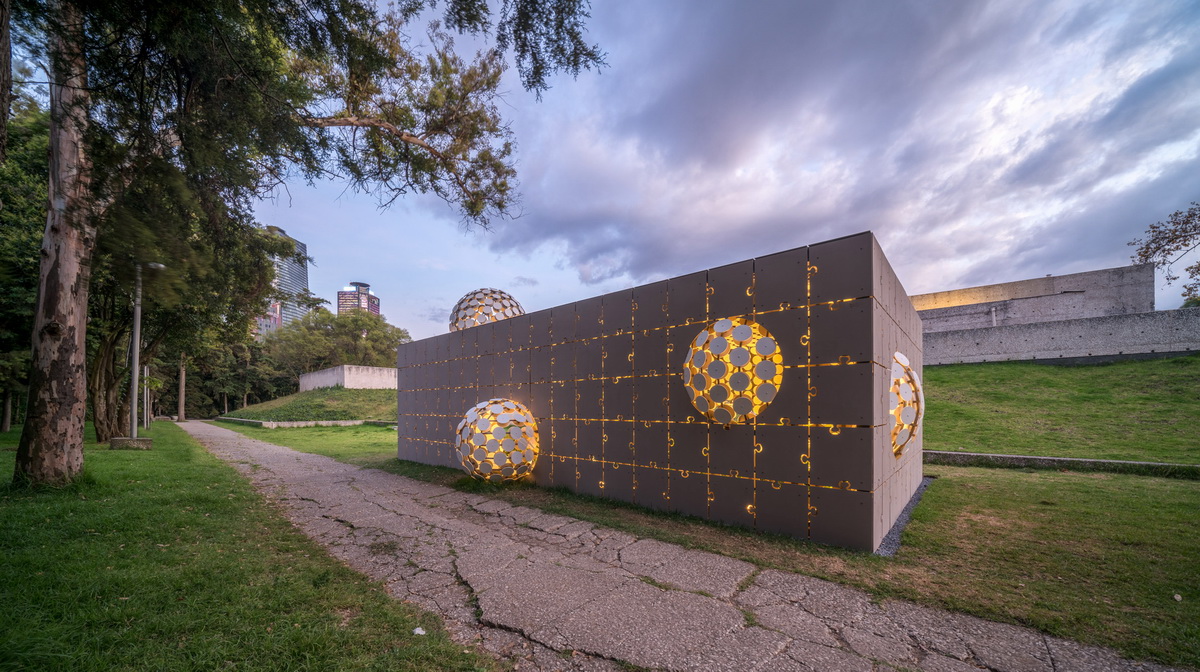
[497,440]
[733,370]
[908,403]
[482,306]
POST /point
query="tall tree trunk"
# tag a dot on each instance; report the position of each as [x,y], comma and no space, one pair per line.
[5,75]
[225,397]
[105,386]
[182,387]
[51,448]
[6,422]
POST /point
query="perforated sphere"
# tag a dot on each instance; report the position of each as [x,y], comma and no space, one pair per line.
[497,441]
[733,370]
[482,306]
[908,403]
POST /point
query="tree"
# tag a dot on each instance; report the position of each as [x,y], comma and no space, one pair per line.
[321,339]
[229,98]
[22,212]
[1166,243]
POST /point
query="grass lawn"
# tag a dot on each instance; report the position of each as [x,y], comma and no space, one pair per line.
[10,439]
[1092,557]
[168,560]
[1137,410]
[332,403]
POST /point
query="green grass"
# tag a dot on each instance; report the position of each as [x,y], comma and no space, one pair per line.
[10,439]
[1092,557]
[333,403]
[1137,410]
[168,560]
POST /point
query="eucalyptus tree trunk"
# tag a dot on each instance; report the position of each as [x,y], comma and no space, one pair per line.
[51,448]
[105,389]
[181,415]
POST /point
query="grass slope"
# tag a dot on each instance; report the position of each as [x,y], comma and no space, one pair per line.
[331,403]
[1137,410]
[1097,558]
[168,560]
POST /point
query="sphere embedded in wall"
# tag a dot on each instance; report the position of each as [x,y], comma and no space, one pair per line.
[733,370]
[908,403]
[497,441]
[482,306]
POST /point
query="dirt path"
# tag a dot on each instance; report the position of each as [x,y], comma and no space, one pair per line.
[555,593]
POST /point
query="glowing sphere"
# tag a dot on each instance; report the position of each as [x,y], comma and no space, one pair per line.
[497,440]
[733,370]
[482,306]
[908,403]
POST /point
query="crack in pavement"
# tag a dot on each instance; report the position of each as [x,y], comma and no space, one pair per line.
[549,592]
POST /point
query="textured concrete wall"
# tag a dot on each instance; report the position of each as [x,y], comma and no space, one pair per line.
[1166,331]
[1113,291]
[605,381]
[350,377]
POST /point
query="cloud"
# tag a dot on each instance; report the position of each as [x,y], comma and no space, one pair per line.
[523,281]
[978,140]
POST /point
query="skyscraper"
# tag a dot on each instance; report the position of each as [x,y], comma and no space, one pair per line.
[291,276]
[358,296]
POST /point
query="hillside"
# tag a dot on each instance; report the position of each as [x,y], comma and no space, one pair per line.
[1135,410]
[334,403]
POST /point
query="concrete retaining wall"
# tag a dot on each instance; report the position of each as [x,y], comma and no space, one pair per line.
[274,424]
[1114,291]
[350,377]
[1165,331]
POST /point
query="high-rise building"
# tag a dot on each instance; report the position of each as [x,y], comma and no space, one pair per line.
[358,296]
[291,276]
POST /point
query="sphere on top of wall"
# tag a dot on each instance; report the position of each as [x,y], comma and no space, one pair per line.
[482,306]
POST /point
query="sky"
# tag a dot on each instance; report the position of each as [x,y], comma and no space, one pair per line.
[981,142]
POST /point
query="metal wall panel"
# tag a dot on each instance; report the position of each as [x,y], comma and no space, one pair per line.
[605,381]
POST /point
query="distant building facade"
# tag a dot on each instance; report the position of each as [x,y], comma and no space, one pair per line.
[358,296]
[1082,317]
[291,276]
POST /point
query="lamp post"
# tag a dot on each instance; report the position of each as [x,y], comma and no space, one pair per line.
[137,346]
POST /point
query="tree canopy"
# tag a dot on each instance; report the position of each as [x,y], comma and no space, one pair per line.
[188,112]
[1167,242]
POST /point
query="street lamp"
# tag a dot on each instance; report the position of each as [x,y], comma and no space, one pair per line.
[137,345]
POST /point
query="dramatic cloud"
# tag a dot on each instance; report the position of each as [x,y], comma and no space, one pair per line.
[981,141]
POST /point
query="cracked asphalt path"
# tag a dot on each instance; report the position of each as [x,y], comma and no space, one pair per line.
[554,593]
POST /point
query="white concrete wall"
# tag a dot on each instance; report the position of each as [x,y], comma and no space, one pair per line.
[1113,291]
[1164,331]
[350,377]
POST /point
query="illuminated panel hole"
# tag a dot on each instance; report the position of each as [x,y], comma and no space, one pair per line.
[733,370]
[908,403]
[482,306]
[497,440]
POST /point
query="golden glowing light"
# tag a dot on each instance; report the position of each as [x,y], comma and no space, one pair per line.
[482,306]
[908,403]
[497,440]
[733,370]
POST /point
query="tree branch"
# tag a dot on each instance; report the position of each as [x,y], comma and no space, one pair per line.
[356,121]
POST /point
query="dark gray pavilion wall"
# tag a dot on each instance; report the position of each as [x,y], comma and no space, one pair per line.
[603,377]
